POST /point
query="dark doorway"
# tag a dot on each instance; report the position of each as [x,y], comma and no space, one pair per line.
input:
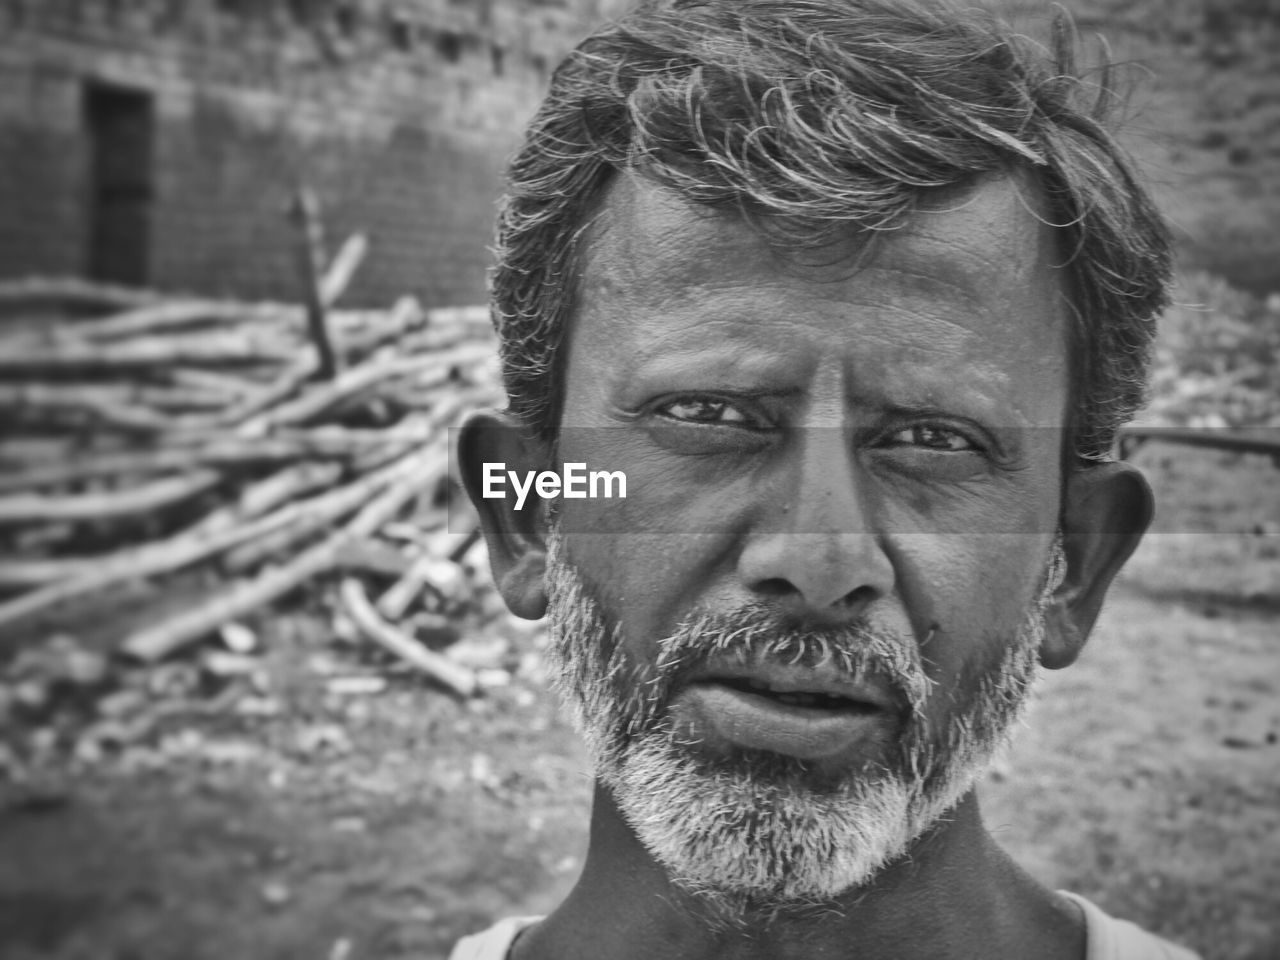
[121,125]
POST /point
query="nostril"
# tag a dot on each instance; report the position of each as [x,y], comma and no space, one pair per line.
[856,598]
[775,587]
[836,574]
[780,588]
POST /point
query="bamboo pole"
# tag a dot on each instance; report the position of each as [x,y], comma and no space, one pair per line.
[170,315]
[371,374]
[250,555]
[70,395]
[338,277]
[25,509]
[279,488]
[306,216]
[126,565]
[285,385]
[242,598]
[226,452]
[189,547]
[441,669]
[229,386]
[71,359]
[73,291]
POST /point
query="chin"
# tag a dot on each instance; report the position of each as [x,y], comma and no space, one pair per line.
[746,845]
[750,836]
[734,833]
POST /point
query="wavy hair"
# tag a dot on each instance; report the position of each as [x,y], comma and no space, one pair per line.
[814,118]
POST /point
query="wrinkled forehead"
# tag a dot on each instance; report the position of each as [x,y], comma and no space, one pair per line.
[643,239]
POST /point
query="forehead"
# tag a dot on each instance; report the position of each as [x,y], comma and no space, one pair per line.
[963,297]
[649,239]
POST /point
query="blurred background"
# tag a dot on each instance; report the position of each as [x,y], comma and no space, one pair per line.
[257,695]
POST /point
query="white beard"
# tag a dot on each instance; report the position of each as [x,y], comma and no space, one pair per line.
[759,836]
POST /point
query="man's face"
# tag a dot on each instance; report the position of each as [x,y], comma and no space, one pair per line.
[818,610]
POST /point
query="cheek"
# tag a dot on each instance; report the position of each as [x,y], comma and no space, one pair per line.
[654,555]
[974,588]
[970,591]
[645,582]
[666,492]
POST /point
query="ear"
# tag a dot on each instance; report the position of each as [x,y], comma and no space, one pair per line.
[516,538]
[1106,509]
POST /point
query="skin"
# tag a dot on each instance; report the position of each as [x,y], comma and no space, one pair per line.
[869,433]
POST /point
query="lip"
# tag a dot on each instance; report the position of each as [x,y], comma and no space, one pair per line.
[716,713]
[794,678]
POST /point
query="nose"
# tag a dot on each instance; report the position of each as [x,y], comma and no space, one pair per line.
[815,550]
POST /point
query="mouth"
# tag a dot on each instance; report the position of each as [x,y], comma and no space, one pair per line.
[805,712]
[799,698]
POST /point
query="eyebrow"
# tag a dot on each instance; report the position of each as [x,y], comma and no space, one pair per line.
[710,370]
[723,363]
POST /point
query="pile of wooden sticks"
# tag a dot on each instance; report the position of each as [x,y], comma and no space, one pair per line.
[144,435]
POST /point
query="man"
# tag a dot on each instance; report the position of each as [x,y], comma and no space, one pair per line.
[855,296]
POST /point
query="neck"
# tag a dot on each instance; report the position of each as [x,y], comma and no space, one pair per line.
[955,894]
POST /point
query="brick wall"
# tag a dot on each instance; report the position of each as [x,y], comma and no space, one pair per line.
[399,116]
[42,164]
[424,198]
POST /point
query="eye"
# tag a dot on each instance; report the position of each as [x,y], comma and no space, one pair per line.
[935,452]
[703,409]
[704,424]
[932,437]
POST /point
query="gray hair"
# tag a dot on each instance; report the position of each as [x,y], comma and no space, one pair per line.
[814,118]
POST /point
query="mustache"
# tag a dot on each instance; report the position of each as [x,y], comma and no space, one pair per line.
[754,635]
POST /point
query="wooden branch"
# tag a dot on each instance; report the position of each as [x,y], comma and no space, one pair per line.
[430,338]
[105,414]
[146,561]
[286,384]
[404,317]
[441,669]
[64,360]
[337,278]
[473,318]
[200,541]
[26,574]
[303,369]
[72,291]
[367,376]
[424,572]
[432,401]
[170,315]
[16,452]
[322,443]
[242,598]
[271,492]
[82,396]
[215,386]
[229,386]
[441,417]
[25,509]
[285,540]
[311,256]
[464,546]
[375,557]
[397,597]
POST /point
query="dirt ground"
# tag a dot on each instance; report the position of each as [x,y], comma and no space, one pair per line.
[354,826]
